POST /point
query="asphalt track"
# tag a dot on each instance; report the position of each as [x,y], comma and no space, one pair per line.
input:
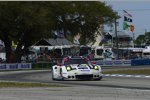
[109,88]
[44,76]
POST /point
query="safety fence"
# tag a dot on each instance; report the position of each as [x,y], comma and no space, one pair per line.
[43,65]
[15,66]
[114,62]
[25,66]
[137,62]
[134,62]
[48,65]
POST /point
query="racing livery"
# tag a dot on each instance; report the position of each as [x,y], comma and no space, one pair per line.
[76,68]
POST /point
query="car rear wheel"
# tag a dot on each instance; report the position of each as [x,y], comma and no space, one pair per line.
[53,75]
[62,79]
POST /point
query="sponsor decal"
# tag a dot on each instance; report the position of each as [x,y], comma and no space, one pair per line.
[108,62]
[64,73]
[117,62]
[3,67]
[99,62]
[127,62]
[83,66]
[13,66]
[25,66]
[85,70]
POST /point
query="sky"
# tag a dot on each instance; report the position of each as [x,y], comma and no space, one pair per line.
[140,11]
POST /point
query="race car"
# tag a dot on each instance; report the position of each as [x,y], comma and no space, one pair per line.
[76,68]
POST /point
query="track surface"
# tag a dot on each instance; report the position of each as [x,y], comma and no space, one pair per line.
[44,76]
[109,88]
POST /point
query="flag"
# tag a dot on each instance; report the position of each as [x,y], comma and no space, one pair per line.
[127,14]
[132,28]
[125,26]
[127,19]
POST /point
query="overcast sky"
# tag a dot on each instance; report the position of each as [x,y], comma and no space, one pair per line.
[139,9]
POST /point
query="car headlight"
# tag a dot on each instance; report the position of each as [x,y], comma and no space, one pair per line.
[68,68]
[96,67]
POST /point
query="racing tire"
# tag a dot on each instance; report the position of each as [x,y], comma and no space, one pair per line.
[62,79]
[98,79]
[53,75]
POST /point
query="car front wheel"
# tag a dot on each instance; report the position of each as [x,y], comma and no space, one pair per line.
[98,79]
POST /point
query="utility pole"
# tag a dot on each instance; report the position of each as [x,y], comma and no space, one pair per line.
[116,38]
[133,39]
[145,31]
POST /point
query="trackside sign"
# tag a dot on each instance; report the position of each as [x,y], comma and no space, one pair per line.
[15,66]
[114,62]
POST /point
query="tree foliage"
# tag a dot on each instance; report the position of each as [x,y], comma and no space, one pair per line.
[147,38]
[24,23]
[143,39]
[83,17]
[27,22]
[140,40]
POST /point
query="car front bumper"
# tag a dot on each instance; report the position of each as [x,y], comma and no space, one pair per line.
[83,77]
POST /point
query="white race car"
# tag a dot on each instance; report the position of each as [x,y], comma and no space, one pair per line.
[76,68]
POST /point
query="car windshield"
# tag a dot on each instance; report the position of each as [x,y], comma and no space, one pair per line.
[75,61]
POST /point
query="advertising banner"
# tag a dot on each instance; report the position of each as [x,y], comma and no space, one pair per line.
[15,66]
[114,62]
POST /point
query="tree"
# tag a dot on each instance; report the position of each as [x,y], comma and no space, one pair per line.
[24,23]
[82,17]
[140,40]
[147,38]
[143,39]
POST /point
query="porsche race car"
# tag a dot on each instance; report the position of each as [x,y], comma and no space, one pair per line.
[76,68]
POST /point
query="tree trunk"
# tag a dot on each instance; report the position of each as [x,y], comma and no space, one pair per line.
[8,50]
[12,56]
[17,57]
[9,55]
[19,52]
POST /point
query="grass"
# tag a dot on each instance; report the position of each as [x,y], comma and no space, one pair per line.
[27,85]
[132,72]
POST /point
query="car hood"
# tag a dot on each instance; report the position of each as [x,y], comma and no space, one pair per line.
[79,66]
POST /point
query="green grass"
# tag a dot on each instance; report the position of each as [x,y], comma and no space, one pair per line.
[132,72]
[27,85]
